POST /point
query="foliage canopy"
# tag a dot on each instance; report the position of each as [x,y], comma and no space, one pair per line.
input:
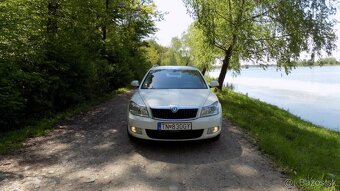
[265,30]
[58,53]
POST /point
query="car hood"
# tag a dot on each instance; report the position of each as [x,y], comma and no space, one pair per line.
[180,97]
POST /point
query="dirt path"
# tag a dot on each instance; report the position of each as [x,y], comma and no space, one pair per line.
[92,152]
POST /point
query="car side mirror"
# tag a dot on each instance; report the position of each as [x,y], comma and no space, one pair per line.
[214,84]
[135,83]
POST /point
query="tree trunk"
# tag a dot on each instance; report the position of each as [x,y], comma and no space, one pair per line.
[104,27]
[225,65]
[187,60]
[204,70]
[53,7]
[52,23]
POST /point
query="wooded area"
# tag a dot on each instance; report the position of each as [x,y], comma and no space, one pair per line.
[329,61]
[58,53]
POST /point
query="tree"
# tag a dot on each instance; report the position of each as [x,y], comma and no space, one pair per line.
[58,53]
[330,61]
[191,48]
[181,51]
[151,53]
[265,29]
[202,54]
[176,54]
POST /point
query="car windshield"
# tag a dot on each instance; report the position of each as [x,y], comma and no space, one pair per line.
[174,79]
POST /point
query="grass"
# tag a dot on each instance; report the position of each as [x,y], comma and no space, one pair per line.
[13,140]
[308,153]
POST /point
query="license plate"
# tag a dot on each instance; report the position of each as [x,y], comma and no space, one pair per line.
[173,126]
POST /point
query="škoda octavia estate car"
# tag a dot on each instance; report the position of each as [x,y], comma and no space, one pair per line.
[174,103]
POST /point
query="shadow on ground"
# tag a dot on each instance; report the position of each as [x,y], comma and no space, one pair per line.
[193,152]
[92,152]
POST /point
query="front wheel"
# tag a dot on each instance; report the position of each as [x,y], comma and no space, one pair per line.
[131,138]
[216,138]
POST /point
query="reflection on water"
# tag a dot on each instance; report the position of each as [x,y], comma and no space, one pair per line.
[311,93]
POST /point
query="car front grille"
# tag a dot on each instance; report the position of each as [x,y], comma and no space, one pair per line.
[184,134]
[168,114]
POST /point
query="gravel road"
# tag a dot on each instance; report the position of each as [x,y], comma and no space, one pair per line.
[92,152]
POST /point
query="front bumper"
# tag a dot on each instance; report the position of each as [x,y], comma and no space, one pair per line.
[199,126]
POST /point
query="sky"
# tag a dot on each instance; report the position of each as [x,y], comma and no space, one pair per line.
[176,21]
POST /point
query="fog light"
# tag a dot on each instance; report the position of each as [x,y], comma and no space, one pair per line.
[213,130]
[136,130]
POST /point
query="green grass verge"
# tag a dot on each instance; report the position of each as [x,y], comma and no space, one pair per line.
[308,153]
[13,140]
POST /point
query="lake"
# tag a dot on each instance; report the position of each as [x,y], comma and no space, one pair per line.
[312,93]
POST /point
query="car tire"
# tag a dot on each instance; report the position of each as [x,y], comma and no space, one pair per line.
[131,138]
[214,139]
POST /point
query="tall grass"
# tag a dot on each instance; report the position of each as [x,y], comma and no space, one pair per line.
[309,153]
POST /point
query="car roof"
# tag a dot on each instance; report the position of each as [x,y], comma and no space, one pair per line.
[174,68]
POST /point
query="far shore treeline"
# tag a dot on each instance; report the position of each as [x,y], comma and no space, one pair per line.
[329,61]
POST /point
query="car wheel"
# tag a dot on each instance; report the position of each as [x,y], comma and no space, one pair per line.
[131,138]
[216,138]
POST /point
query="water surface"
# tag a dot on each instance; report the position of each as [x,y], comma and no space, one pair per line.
[311,93]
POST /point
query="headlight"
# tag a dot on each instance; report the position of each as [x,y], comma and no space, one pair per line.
[210,110]
[136,109]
